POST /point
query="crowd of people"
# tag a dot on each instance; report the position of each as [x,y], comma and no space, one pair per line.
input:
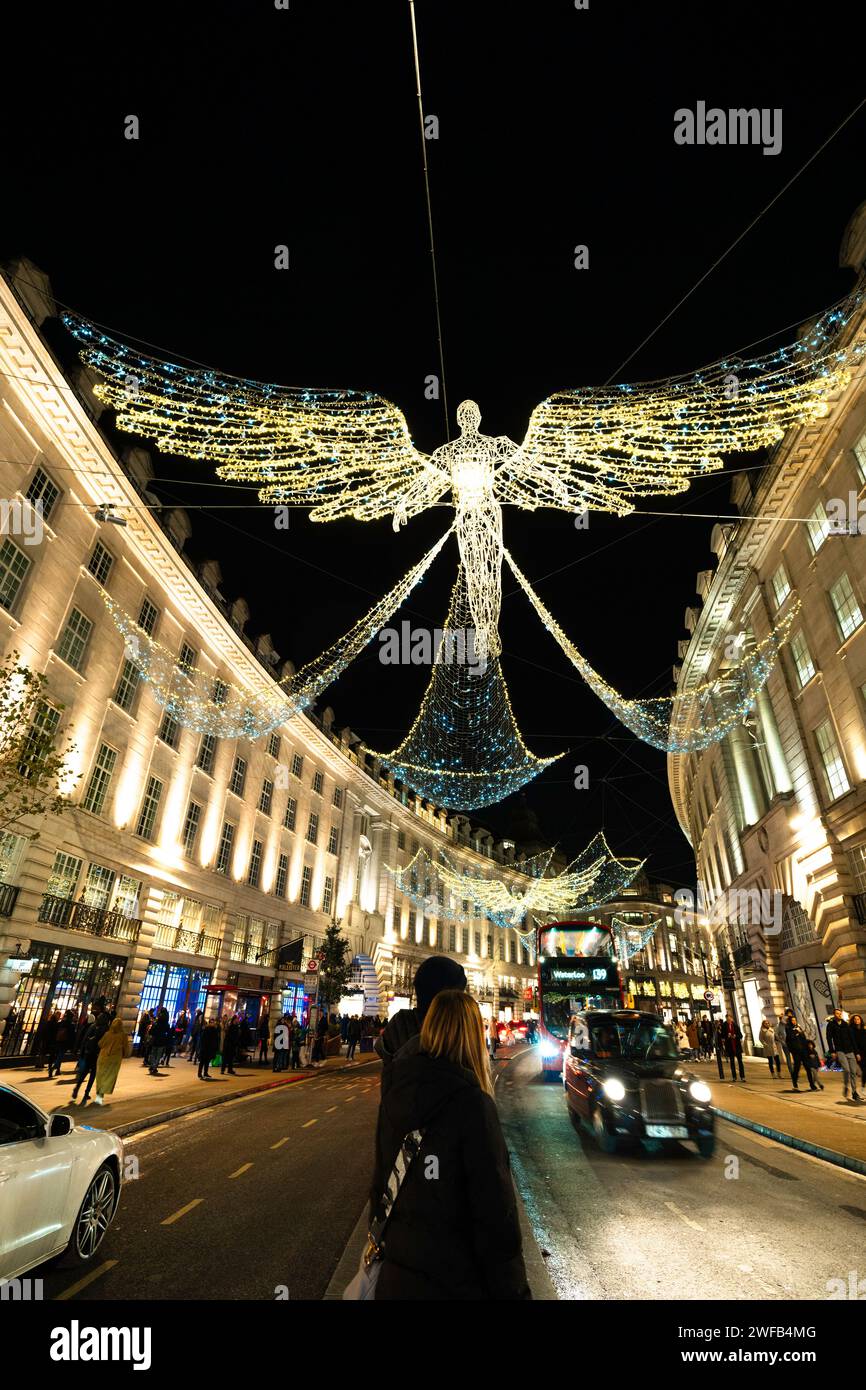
[93,1038]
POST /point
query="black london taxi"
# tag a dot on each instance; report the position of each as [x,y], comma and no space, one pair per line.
[624,1080]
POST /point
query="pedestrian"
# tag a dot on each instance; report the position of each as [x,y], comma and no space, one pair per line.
[299,1037]
[159,1038]
[88,1059]
[843,1049]
[181,1024]
[733,1043]
[814,1062]
[767,1039]
[344,1027]
[433,974]
[457,1238]
[209,1044]
[855,1023]
[114,1045]
[798,1046]
[692,1032]
[682,1036]
[145,1023]
[318,1057]
[264,1034]
[64,1038]
[231,1042]
[195,1035]
[353,1037]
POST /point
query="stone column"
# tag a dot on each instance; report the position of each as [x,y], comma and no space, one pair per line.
[775,753]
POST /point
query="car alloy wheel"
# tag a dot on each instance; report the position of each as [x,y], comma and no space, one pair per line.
[606,1142]
[95,1215]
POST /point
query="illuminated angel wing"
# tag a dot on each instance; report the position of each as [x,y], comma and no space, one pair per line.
[603,449]
[342,453]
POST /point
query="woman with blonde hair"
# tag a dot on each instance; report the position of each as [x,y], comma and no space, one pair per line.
[114,1045]
[453,1230]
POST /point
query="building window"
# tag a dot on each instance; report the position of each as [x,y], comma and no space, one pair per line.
[401,839]
[42,490]
[255,870]
[14,565]
[238,777]
[97,788]
[803,662]
[187,658]
[781,587]
[226,844]
[64,876]
[73,643]
[860,456]
[100,562]
[40,737]
[831,758]
[297,765]
[313,828]
[338,797]
[148,616]
[97,886]
[127,686]
[478,944]
[333,840]
[328,895]
[190,827]
[318,783]
[169,730]
[291,813]
[490,948]
[267,796]
[274,745]
[282,876]
[818,527]
[306,881]
[501,949]
[845,606]
[219,692]
[149,808]
[206,752]
[452,937]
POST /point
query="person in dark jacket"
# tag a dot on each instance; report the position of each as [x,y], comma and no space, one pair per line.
[353,1037]
[434,974]
[732,1039]
[843,1049]
[264,1037]
[63,1041]
[89,1056]
[454,1231]
[208,1048]
[231,1042]
[798,1046]
[195,1035]
[159,1039]
[858,1031]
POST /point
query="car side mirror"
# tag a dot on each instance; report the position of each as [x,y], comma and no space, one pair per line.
[59,1125]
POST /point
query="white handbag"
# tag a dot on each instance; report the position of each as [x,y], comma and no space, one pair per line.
[362,1288]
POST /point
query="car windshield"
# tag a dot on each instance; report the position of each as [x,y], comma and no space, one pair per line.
[636,1040]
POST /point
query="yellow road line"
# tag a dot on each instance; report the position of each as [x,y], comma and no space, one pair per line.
[143,1133]
[82,1283]
[348,1098]
[330,1110]
[671,1206]
[243,1168]
[309,1122]
[280,1142]
[182,1211]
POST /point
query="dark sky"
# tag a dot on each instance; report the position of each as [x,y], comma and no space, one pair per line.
[261,127]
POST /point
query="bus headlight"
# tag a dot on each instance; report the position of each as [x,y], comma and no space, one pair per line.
[613,1089]
[550,1049]
[699,1090]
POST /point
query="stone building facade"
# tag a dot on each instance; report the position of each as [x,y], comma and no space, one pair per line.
[183,861]
[776,812]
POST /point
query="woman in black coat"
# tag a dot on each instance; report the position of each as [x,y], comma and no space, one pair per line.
[209,1046]
[855,1023]
[454,1231]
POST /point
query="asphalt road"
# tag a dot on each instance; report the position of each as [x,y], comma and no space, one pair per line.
[757,1221]
[253,1199]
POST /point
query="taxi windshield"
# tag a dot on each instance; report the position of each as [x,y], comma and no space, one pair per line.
[635,1040]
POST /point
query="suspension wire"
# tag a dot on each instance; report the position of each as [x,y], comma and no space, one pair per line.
[429,218]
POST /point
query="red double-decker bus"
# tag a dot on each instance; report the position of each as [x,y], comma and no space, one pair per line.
[577,969]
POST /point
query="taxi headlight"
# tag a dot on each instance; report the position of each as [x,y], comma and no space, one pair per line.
[613,1089]
[550,1049]
[699,1090]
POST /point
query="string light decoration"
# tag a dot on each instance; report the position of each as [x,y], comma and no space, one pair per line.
[631,937]
[679,723]
[209,705]
[594,877]
[349,453]
[464,749]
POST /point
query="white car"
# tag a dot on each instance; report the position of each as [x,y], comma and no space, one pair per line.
[59,1184]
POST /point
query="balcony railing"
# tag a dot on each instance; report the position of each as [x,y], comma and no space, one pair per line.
[742,955]
[95,921]
[8,899]
[251,953]
[182,939]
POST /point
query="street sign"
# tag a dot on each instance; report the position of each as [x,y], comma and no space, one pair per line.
[709,996]
[312,967]
[527,993]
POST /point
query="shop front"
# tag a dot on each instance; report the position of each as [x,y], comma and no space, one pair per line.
[294,1000]
[248,1002]
[177,988]
[59,977]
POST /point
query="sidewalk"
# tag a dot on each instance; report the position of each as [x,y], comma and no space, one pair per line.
[140,1100]
[816,1122]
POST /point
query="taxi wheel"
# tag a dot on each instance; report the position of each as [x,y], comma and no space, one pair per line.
[94,1217]
[706,1145]
[606,1142]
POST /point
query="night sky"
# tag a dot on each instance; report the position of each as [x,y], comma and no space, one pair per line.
[261,127]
